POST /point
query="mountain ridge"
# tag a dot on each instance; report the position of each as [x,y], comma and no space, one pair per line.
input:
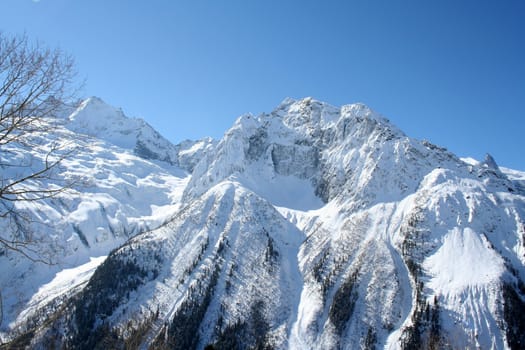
[310,227]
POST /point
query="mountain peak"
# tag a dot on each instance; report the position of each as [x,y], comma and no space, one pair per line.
[358,109]
[490,163]
[94,107]
[96,118]
[311,227]
[94,100]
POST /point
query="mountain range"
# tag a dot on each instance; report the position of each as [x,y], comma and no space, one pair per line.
[310,227]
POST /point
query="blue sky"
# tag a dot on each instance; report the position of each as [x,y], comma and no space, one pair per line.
[452,72]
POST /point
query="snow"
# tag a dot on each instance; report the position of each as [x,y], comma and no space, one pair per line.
[63,283]
[196,147]
[284,191]
[512,174]
[114,194]
[470,161]
[96,118]
[464,260]
[333,191]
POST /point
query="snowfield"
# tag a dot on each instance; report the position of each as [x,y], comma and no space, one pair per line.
[310,227]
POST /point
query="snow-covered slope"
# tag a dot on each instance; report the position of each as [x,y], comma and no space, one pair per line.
[112,194]
[311,227]
[96,118]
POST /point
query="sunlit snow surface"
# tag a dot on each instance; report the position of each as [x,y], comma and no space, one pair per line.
[285,211]
[64,282]
[114,195]
[464,260]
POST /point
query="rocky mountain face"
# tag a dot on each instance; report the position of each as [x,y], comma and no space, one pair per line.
[312,227]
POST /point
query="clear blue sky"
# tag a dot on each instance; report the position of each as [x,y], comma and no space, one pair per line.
[452,72]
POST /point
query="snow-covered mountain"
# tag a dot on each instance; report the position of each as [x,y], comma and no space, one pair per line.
[97,119]
[312,227]
[117,191]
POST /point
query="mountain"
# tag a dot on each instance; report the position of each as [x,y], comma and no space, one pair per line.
[97,119]
[311,227]
[117,190]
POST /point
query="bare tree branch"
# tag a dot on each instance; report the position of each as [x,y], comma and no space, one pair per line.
[35,84]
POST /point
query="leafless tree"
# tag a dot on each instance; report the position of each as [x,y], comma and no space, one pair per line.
[35,85]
